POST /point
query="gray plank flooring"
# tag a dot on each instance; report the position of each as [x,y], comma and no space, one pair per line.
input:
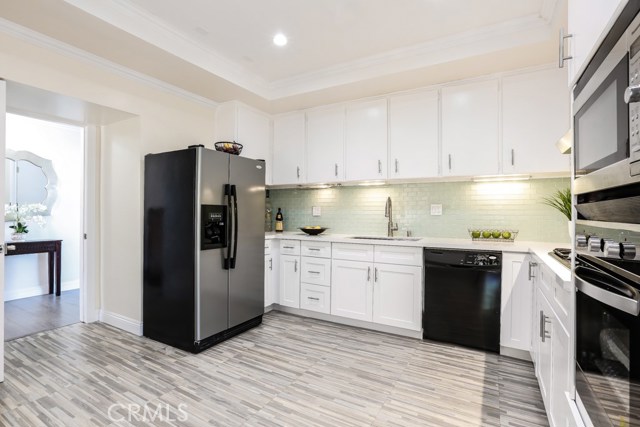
[290,371]
[27,316]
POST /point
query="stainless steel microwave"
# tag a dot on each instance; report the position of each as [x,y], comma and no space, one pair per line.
[606,117]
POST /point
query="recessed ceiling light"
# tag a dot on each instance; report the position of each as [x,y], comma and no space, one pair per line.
[280,39]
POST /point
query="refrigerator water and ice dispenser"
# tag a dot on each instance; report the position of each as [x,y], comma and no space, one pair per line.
[213,227]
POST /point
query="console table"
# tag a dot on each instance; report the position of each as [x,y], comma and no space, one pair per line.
[51,247]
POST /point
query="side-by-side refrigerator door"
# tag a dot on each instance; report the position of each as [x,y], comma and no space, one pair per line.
[212,280]
[246,284]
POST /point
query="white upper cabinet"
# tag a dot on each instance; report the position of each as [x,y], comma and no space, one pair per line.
[249,127]
[535,115]
[470,129]
[366,140]
[588,20]
[325,145]
[288,149]
[413,135]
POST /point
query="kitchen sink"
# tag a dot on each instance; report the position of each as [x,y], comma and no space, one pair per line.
[402,239]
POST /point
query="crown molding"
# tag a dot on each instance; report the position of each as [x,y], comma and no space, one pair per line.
[506,35]
[22,33]
[130,18]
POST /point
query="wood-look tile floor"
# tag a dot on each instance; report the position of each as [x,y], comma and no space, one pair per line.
[290,371]
[27,316]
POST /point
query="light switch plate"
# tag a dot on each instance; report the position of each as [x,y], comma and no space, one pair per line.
[316,211]
[436,209]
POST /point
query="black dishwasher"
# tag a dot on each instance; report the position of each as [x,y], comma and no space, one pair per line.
[462,297]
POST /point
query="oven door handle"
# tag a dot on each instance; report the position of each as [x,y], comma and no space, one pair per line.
[597,292]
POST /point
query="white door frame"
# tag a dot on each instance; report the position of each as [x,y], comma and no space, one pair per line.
[3,135]
[89,264]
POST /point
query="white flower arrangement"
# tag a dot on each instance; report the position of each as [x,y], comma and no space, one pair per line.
[24,214]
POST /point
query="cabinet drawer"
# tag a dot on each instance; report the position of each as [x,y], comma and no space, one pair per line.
[290,247]
[316,249]
[402,255]
[316,271]
[267,247]
[315,298]
[352,252]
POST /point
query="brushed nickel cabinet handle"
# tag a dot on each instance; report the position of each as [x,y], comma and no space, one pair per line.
[298,171]
[396,165]
[313,298]
[513,157]
[449,161]
[375,275]
[379,166]
[368,274]
[295,266]
[561,54]
[336,169]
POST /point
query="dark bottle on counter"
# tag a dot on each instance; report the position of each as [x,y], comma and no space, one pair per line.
[279,221]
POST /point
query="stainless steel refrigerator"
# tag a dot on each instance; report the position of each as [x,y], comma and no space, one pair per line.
[203,275]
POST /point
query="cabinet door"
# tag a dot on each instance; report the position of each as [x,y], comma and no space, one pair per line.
[352,289]
[470,129]
[413,135]
[325,145]
[545,332]
[290,281]
[561,366]
[535,115]
[587,22]
[268,268]
[397,296]
[366,140]
[515,319]
[288,149]
[254,133]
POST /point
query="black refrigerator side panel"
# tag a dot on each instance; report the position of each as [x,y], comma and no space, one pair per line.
[169,248]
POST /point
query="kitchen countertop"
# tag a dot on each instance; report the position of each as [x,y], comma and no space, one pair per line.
[540,249]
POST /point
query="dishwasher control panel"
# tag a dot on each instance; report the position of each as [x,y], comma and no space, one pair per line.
[482,259]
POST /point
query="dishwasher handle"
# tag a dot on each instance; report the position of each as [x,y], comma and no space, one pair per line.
[463,266]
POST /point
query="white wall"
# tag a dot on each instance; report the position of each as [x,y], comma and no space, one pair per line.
[165,121]
[26,275]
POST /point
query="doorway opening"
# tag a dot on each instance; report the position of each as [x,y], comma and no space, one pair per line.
[44,187]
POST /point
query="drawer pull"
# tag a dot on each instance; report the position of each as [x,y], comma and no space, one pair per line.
[314,249]
[295,266]
[289,247]
[313,272]
[313,298]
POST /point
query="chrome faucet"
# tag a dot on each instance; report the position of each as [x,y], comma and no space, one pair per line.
[388,212]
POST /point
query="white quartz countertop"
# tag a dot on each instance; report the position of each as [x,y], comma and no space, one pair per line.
[540,249]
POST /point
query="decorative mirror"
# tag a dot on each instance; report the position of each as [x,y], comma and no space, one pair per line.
[30,178]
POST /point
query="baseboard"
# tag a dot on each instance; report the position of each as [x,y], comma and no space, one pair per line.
[121,322]
[31,291]
[70,285]
[34,291]
[515,353]
[346,321]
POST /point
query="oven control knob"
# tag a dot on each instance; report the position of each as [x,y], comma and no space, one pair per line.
[594,244]
[581,241]
[604,242]
[632,94]
[611,249]
[627,250]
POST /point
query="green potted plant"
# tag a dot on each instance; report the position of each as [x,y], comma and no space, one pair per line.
[562,201]
[21,215]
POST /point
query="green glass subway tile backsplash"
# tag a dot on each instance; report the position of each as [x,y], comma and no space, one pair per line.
[360,210]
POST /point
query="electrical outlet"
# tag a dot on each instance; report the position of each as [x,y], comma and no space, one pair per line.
[316,211]
[436,209]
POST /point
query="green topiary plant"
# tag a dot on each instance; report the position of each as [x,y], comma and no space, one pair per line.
[561,200]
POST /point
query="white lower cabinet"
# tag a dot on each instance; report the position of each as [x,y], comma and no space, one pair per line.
[397,295]
[268,268]
[552,352]
[290,280]
[315,298]
[352,289]
[515,317]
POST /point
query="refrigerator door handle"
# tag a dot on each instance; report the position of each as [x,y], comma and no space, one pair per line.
[227,257]
[234,194]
